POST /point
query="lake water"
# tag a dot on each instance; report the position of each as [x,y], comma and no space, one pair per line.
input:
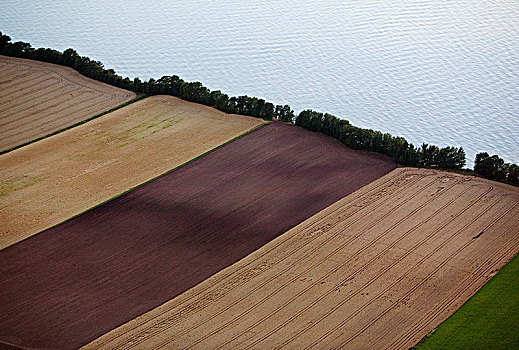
[443,72]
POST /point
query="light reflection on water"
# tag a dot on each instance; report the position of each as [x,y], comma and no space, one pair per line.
[445,72]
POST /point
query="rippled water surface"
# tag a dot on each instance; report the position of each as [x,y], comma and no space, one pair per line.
[444,72]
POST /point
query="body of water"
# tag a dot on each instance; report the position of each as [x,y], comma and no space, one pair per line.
[438,71]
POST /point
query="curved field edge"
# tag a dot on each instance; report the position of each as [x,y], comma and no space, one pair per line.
[488,320]
[213,310]
[52,180]
[142,184]
[138,98]
[42,99]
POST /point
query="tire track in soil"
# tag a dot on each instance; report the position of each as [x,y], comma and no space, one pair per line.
[450,299]
[342,345]
[361,269]
[349,277]
[80,100]
[35,100]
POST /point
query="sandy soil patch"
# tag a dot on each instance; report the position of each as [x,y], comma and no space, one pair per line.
[378,269]
[39,98]
[77,281]
[53,179]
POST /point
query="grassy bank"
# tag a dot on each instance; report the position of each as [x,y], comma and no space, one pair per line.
[489,320]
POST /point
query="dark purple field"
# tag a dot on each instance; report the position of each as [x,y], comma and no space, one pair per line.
[72,283]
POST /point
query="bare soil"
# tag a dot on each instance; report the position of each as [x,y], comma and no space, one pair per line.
[74,282]
[39,98]
[51,180]
[379,269]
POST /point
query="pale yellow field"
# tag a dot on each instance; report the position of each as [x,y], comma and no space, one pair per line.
[39,98]
[379,269]
[53,179]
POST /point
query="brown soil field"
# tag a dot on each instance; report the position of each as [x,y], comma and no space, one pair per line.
[74,282]
[378,269]
[39,98]
[53,179]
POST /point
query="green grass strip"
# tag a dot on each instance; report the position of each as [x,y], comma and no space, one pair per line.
[144,183]
[489,320]
[139,97]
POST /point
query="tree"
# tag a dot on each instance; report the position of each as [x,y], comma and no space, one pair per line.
[358,138]
[241,102]
[5,40]
[195,92]
[513,174]
[69,57]
[284,113]
[20,49]
[488,166]
[137,85]
[267,111]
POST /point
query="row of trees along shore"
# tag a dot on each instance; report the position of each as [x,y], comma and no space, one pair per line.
[403,152]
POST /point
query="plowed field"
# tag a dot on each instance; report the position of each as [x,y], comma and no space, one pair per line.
[56,178]
[39,98]
[74,282]
[378,269]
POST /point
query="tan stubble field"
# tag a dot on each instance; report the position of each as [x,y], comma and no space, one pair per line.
[380,268]
[58,177]
[40,98]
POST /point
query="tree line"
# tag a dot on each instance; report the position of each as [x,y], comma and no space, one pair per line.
[167,85]
[495,168]
[398,148]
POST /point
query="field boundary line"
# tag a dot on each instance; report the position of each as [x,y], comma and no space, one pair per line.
[361,268]
[280,273]
[281,240]
[243,314]
[139,185]
[357,271]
